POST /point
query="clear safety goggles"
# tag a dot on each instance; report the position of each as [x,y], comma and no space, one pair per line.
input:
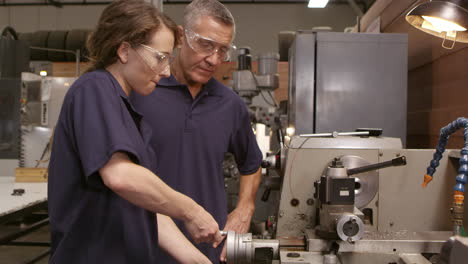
[207,47]
[157,61]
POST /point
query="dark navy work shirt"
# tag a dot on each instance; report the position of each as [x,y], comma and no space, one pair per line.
[190,138]
[89,222]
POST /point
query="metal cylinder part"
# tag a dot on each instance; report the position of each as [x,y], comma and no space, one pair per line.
[244,59]
[457,214]
[350,228]
[242,249]
[330,259]
[336,173]
[457,218]
[268,63]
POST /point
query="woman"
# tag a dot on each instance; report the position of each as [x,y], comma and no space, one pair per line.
[103,196]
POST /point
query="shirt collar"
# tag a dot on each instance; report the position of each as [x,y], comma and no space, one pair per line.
[212,87]
[120,91]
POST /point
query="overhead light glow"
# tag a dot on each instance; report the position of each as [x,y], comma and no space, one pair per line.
[440,25]
[317,3]
[43,73]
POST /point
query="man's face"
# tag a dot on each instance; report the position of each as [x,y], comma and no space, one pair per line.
[199,66]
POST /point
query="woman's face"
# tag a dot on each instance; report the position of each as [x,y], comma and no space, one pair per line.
[148,63]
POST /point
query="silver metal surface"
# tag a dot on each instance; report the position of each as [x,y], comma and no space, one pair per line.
[267,82]
[404,204]
[331,214]
[370,90]
[368,182]
[238,248]
[346,258]
[33,143]
[244,83]
[301,97]
[300,257]
[53,93]
[32,97]
[414,259]
[336,173]
[350,228]
[385,242]
[335,134]
[241,248]
[346,142]
[400,203]
[303,167]
[268,63]
[330,259]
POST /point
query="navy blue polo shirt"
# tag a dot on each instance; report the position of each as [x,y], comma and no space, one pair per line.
[190,138]
[89,222]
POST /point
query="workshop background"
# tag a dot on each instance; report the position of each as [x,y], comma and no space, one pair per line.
[437,78]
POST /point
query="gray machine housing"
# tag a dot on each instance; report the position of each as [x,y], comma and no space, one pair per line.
[407,219]
[14,59]
[400,203]
[343,81]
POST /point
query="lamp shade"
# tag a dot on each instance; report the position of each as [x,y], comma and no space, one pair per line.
[447,19]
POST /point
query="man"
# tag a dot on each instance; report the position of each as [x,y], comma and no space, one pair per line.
[196,120]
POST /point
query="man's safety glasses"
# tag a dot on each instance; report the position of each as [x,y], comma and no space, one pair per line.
[207,47]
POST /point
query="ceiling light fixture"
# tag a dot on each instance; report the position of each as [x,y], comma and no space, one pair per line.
[446,19]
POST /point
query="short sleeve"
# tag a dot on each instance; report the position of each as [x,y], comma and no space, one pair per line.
[98,120]
[243,144]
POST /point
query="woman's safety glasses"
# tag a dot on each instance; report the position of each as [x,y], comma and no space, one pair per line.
[157,61]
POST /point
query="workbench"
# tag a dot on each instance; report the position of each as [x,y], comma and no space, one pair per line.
[13,207]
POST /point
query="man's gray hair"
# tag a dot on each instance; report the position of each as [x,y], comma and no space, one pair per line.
[213,8]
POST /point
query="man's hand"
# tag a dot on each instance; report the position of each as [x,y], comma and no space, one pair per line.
[238,220]
[203,228]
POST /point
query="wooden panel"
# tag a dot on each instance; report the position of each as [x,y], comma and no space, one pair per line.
[437,95]
[374,11]
[397,10]
[423,141]
[281,93]
[31,174]
[224,72]
[68,69]
[450,80]
[420,89]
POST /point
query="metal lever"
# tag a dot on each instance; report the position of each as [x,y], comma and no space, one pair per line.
[400,161]
[336,134]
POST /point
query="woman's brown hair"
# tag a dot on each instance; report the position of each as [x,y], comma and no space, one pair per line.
[132,21]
